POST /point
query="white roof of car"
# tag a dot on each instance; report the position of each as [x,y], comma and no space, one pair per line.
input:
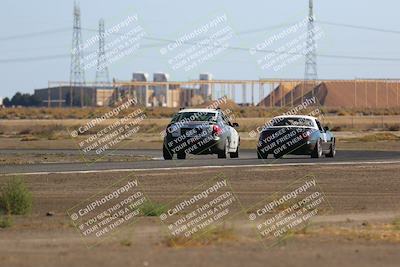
[297,116]
[198,110]
[313,120]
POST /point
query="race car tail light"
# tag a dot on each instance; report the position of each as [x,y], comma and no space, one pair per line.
[173,130]
[306,135]
[217,130]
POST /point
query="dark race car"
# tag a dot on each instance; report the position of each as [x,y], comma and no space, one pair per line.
[296,135]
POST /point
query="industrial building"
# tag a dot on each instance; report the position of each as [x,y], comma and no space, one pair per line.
[164,93]
[80,96]
[160,92]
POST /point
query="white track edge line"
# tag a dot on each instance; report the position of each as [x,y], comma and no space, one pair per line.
[204,167]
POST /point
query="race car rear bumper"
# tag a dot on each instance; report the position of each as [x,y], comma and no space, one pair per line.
[209,144]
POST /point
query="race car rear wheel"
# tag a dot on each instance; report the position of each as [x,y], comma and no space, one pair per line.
[317,153]
[222,154]
[332,151]
[234,155]
[167,155]
[261,155]
[181,155]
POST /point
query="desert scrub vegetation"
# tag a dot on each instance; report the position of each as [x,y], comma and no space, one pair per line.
[375,137]
[126,243]
[15,198]
[150,208]
[164,112]
[396,224]
[5,221]
[207,236]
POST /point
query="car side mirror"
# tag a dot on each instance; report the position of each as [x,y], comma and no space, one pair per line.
[235,124]
[326,128]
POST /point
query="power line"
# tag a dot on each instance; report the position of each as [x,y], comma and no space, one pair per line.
[34,34]
[249,31]
[40,58]
[271,51]
[29,59]
[50,57]
[257,30]
[165,40]
[358,27]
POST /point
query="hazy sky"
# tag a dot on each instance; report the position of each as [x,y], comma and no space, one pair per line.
[252,22]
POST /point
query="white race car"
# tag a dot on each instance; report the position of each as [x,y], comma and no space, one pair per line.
[201,131]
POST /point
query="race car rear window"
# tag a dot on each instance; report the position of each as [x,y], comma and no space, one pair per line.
[194,116]
[301,122]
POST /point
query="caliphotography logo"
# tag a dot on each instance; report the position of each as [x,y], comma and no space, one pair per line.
[106,132]
[105,213]
[200,44]
[290,212]
[201,213]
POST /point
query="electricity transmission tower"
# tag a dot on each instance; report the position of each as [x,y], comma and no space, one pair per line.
[311,54]
[102,76]
[77,72]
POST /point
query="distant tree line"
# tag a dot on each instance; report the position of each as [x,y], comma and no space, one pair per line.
[25,100]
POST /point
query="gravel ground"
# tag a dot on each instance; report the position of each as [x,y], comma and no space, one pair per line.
[359,230]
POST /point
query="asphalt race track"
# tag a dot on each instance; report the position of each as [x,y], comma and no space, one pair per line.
[248,158]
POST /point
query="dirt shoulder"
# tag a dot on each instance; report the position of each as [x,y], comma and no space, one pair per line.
[379,140]
[360,230]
